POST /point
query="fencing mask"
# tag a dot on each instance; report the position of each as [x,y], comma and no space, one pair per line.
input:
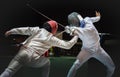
[75,19]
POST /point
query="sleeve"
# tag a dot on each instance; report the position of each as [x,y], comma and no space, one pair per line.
[63,44]
[24,30]
[95,19]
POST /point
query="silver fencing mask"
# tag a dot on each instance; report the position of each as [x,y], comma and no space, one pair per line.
[74,19]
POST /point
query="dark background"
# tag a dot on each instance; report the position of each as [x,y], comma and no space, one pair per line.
[15,13]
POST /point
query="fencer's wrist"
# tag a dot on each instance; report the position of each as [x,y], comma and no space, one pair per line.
[7,33]
[72,33]
[75,32]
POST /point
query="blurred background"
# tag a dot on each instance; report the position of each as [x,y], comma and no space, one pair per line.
[16,13]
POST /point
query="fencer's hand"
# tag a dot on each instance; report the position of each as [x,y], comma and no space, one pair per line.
[74,33]
[71,31]
[97,13]
[7,33]
[67,29]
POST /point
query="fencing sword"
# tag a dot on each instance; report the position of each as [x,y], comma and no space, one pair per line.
[45,17]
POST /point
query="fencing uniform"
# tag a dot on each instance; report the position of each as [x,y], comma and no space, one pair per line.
[31,53]
[90,46]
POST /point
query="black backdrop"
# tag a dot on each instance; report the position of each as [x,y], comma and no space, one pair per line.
[15,13]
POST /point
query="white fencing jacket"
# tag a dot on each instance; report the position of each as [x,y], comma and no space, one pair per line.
[89,35]
[41,40]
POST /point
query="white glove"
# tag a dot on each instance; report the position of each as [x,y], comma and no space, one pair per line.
[67,29]
[72,32]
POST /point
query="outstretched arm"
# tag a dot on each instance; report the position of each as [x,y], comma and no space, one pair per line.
[54,41]
[21,31]
[97,18]
[64,44]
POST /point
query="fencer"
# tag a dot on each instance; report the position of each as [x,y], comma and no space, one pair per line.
[33,48]
[91,47]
